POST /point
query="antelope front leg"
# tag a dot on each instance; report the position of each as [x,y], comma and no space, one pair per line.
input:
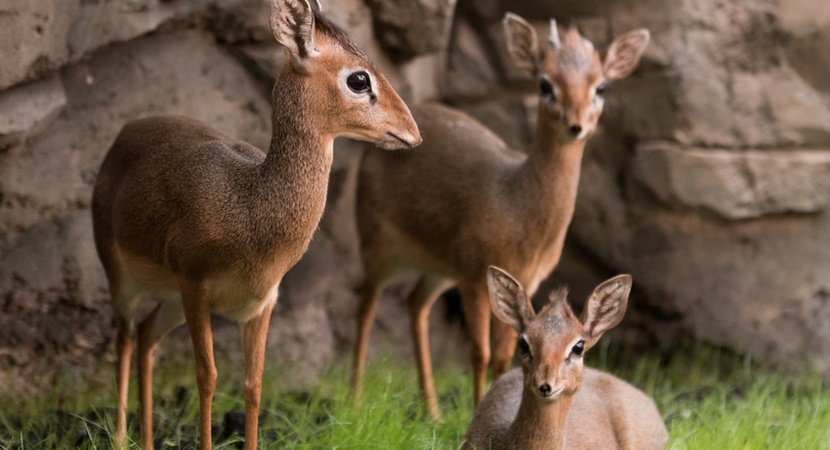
[504,346]
[254,335]
[146,348]
[197,314]
[165,317]
[475,305]
[369,295]
[421,299]
[124,343]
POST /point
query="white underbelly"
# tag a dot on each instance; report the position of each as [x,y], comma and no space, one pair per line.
[231,298]
[229,294]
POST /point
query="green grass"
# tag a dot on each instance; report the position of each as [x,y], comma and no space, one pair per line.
[710,399]
[717,400]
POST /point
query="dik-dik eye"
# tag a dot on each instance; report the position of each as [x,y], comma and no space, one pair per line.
[546,89]
[524,347]
[578,348]
[601,88]
[359,82]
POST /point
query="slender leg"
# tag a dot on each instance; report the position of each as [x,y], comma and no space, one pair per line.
[254,335]
[124,342]
[166,316]
[369,296]
[504,345]
[421,299]
[475,305]
[197,315]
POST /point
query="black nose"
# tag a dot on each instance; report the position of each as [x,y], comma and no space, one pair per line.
[545,390]
[575,129]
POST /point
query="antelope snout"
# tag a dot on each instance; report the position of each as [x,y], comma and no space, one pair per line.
[411,139]
[410,134]
[417,139]
[547,391]
[399,140]
[413,135]
[578,122]
[405,134]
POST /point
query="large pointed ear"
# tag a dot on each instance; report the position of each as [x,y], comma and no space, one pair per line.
[605,308]
[624,54]
[292,22]
[522,43]
[508,300]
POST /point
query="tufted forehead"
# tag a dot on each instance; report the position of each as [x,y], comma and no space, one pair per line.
[556,320]
[576,56]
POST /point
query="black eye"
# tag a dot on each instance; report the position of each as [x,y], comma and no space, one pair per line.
[578,348]
[546,88]
[359,82]
[601,88]
[524,347]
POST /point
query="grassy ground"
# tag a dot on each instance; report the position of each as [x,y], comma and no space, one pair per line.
[709,400]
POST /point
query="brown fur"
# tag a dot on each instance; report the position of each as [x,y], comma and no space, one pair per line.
[212,223]
[465,201]
[587,409]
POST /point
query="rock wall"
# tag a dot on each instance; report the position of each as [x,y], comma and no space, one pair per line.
[707,180]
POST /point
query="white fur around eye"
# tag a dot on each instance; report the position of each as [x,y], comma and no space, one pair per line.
[598,100]
[570,347]
[342,82]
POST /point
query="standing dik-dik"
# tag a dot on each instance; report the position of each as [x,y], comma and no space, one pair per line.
[554,402]
[212,223]
[465,200]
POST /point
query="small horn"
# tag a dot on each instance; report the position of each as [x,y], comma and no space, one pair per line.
[554,35]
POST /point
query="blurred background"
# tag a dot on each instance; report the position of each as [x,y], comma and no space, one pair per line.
[708,180]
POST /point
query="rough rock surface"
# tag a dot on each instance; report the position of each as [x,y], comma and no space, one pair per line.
[736,185]
[408,28]
[707,180]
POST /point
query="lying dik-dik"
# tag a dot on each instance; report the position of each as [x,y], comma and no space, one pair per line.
[213,223]
[465,200]
[553,401]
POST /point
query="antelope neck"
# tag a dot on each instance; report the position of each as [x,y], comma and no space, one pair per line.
[540,425]
[296,135]
[548,181]
[300,154]
[289,187]
[552,159]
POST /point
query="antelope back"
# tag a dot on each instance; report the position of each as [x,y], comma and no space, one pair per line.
[572,76]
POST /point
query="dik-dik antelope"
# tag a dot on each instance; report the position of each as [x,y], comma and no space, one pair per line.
[212,223]
[553,401]
[465,200]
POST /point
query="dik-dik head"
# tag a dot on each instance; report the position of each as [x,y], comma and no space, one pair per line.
[572,77]
[348,96]
[553,342]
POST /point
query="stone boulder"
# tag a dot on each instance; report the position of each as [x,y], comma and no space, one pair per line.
[736,185]
[407,28]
